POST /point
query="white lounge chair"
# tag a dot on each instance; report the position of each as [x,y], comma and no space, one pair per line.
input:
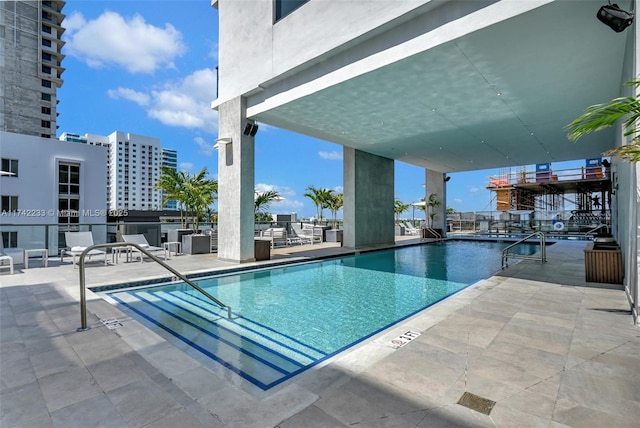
[6,260]
[410,229]
[307,234]
[77,242]
[277,235]
[141,241]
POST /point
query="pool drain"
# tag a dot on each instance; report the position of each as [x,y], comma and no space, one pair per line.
[477,403]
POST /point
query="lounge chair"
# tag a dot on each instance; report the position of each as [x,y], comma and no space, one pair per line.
[410,229]
[5,258]
[77,242]
[141,241]
[307,234]
[277,235]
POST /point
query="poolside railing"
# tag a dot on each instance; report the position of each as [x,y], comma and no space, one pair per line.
[83,295]
[543,250]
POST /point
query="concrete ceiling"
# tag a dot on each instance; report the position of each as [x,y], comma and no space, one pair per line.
[493,98]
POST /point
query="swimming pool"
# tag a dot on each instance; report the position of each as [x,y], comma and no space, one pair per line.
[289,318]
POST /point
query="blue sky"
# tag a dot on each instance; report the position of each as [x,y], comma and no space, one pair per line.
[148,67]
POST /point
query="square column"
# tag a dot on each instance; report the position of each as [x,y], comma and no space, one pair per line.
[368,199]
[236,184]
[435,184]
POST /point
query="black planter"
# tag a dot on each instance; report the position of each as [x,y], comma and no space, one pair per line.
[196,244]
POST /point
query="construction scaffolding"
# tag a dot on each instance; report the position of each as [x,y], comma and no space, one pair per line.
[583,194]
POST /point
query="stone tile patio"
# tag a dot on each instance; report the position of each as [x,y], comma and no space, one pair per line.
[548,348]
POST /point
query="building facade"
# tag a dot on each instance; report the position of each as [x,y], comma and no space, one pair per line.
[133,168]
[53,191]
[170,160]
[31,67]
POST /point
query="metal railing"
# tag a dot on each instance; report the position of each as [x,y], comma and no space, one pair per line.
[83,296]
[543,250]
[434,233]
[595,229]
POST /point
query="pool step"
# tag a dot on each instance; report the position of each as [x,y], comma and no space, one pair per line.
[254,352]
[198,305]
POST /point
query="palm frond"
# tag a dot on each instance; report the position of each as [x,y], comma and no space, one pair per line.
[600,116]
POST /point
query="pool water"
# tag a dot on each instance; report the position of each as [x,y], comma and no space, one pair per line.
[290,318]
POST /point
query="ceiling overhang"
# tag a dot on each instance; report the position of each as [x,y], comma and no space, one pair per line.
[499,96]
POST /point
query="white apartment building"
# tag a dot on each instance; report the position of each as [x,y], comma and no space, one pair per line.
[47,187]
[31,66]
[133,168]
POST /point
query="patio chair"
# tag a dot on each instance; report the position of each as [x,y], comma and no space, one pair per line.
[307,234]
[277,235]
[410,229]
[4,257]
[141,241]
[77,242]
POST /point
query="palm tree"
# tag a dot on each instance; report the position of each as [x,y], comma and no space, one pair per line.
[262,201]
[600,116]
[432,204]
[399,207]
[172,183]
[320,198]
[199,194]
[334,203]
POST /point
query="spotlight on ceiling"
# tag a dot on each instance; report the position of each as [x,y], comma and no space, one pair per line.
[614,17]
[447,178]
[250,129]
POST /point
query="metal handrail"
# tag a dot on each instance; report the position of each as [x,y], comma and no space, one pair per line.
[83,296]
[434,232]
[543,249]
[598,227]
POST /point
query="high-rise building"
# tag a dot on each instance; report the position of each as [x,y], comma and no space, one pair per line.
[170,160]
[133,168]
[31,67]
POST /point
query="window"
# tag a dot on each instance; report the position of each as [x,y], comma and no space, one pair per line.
[46,29]
[10,239]
[45,123]
[285,7]
[46,83]
[46,43]
[45,110]
[10,165]
[46,97]
[46,69]
[46,56]
[9,203]
[68,193]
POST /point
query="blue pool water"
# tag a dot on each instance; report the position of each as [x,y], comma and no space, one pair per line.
[290,318]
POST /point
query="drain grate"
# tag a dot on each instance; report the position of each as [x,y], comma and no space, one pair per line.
[477,403]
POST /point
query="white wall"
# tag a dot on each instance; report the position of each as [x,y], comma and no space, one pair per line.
[253,49]
[36,184]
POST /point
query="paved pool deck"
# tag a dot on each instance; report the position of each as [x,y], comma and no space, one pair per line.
[544,347]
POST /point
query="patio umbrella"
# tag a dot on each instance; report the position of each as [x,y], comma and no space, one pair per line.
[413,208]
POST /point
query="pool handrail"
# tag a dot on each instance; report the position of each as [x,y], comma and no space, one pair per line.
[83,296]
[543,250]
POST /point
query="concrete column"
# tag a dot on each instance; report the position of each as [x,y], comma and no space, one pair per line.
[236,184]
[435,184]
[368,199]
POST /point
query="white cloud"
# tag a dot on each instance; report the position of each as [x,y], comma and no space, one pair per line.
[458,201]
[339,189]
[331,155]
[473,189]
[186,166]
[113,41]
[205,147]
[183,103]
[139,98]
